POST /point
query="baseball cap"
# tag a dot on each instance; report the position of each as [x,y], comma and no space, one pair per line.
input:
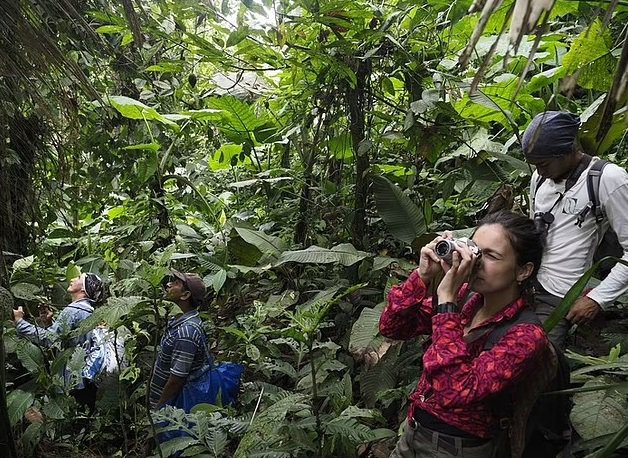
[195,285]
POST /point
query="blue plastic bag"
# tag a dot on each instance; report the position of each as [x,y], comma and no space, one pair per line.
[218,385]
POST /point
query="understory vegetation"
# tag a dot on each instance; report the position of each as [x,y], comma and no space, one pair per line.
[294,154]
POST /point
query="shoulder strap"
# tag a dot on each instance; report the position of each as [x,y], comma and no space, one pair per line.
[498,330]
[526,315]
[593,187]
[539,181]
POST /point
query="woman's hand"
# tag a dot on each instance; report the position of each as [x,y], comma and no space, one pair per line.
[429,263]
[456,274]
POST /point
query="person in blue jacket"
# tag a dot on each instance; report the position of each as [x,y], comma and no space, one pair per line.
[86,291]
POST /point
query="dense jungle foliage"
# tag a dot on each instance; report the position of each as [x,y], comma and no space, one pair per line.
[295,154]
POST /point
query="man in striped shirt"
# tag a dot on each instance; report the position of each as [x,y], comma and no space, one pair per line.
[182,352]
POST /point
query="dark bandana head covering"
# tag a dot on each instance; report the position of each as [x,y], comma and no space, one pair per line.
[550,134]
[93,287]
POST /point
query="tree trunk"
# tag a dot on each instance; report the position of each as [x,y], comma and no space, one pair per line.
[356,98]
[7,446]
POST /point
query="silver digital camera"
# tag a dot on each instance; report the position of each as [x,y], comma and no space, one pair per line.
[445,248]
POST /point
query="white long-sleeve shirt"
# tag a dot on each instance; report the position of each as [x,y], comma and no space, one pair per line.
[569,251]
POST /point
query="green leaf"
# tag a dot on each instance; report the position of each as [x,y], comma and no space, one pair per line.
[590,54]
[597,413]
[134,109]
[238,119]
[341,147]
[166,67]
[223,157]
[267,244]
[154,146]
[18,402]
[111,29]
[218,279]
[615,442]
[53,410]
[237,36]
[574,293]
[26,291]
[176,445]
[31,438]
[403,217]
[253,352]
[344,254]
[147,166]
[365,331]
[72,271]
[23,263]
[112,313]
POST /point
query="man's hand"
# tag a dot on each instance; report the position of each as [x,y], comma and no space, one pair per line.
[18,314]
[583,311]
[171,389]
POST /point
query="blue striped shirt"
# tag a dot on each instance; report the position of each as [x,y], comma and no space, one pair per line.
[182,352]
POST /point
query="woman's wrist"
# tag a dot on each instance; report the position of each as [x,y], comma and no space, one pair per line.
[447,307]
[425,278]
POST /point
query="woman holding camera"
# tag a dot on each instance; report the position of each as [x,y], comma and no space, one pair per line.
[453,411]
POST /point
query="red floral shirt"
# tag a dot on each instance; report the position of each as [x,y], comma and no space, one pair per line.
[460,380]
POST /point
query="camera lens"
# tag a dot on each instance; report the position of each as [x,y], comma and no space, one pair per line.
[443,248]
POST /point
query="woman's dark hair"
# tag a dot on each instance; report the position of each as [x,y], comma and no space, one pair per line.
[525,238]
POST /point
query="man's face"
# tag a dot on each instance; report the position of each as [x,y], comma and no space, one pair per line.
[555,169]
[76,284]
[176,290]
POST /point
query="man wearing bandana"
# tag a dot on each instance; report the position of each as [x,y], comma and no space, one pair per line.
[561,205]
[86,291]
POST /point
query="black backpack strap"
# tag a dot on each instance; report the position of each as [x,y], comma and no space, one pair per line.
[593,187]
[526,315]
[539,181]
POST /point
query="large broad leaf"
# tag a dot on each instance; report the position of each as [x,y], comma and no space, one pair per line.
[26,291]
[134,109]
[590,56]
[31,356]
[597,413]
[403,218]
[616,441]
[238,119]
[380,377]
[344,254]
[17,403]
[116,308]
[267,244]
[23,263]
[365,331]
